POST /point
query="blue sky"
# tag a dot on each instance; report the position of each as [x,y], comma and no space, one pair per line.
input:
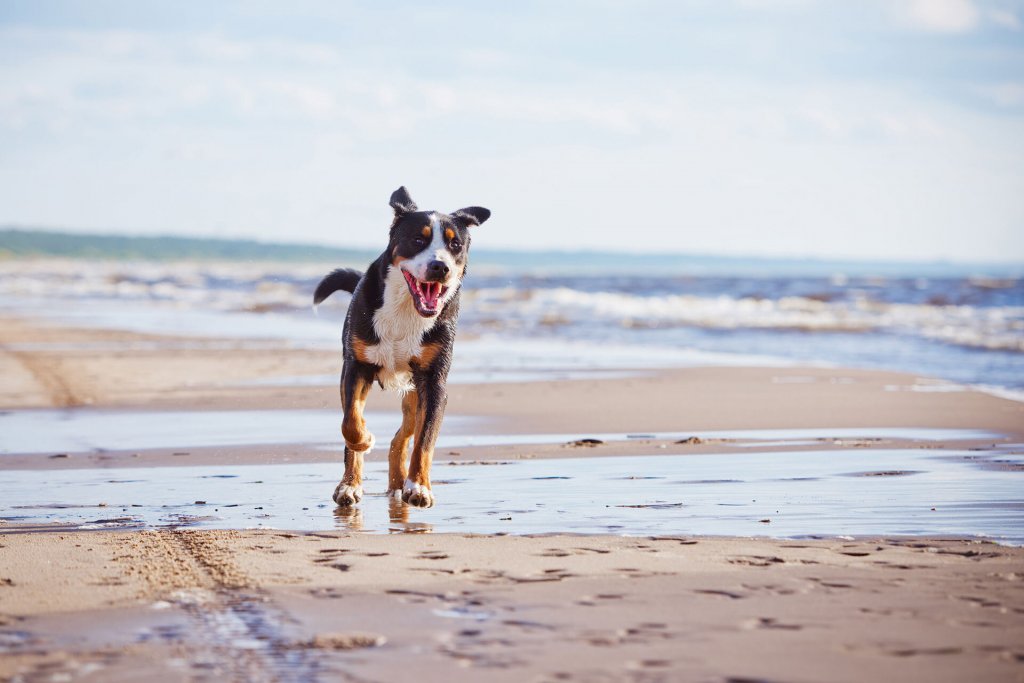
[874,129]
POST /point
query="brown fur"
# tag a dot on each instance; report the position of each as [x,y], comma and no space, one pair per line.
[422,454]
[428,352]
[353,427]
[359,349]
[399,444]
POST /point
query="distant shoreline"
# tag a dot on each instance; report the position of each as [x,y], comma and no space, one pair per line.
[26,242]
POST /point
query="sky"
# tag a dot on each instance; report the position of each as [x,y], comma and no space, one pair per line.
[876,129]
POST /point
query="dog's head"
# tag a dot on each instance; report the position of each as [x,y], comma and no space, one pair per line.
[430,249]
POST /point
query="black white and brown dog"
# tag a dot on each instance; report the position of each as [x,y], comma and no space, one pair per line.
[399,331]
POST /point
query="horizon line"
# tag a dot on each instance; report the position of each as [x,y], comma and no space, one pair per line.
[818,258]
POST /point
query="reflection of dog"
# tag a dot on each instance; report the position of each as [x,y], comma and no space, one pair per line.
[399,331]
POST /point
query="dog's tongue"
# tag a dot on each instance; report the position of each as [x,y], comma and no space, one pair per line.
[429,292]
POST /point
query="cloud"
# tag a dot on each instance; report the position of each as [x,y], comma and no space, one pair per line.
[260,128]
[1006,19]
[941,16]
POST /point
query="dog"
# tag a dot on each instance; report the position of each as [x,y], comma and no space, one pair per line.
[399,331]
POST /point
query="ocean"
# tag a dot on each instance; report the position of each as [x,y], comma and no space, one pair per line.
[591,311]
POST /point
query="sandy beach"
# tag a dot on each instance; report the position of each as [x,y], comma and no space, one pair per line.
[337,600]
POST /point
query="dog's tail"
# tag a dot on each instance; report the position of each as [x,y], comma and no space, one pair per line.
[342,278]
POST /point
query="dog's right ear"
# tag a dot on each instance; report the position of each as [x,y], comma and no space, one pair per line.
[401,202]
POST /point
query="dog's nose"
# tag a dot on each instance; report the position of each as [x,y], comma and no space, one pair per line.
[437,270]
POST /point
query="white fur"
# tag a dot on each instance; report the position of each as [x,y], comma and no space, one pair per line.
[400,330]
[398,325]
[348,495]
[412,489]
[437,250]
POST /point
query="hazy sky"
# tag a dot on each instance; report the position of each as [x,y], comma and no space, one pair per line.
[867,129]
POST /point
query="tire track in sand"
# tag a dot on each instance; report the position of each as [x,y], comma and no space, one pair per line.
[51,381]
[237,633]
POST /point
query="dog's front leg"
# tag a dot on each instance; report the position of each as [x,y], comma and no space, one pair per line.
[399,445]
[356,379]
[433,398]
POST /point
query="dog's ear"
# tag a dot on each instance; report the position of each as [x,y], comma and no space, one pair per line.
[473,215]
[401,202]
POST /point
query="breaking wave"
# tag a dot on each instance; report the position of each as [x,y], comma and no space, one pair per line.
[994,328]
[976,313]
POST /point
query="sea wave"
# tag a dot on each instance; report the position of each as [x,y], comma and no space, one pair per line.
[996,328]
[567,306]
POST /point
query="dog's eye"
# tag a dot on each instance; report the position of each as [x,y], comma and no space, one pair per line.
[455,245]
[419,241]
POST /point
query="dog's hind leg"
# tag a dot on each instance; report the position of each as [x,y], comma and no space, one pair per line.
[432,400]
[356,379]
[399,444]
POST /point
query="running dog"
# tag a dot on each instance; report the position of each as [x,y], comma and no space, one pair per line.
[399,332]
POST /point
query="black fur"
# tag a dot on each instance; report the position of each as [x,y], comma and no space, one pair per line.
[408,238]
[341,279]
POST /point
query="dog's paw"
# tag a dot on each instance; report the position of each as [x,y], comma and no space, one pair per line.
[417,494]
[347,496]
[394,494]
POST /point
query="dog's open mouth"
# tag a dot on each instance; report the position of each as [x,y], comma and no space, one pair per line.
[425,295]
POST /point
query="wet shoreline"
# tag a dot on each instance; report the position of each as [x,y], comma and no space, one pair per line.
[856,492]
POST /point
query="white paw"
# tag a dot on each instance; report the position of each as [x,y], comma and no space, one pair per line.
[417,494]
[395,494]
[347,496]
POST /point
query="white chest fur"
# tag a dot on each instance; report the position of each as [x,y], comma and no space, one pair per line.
[400,330]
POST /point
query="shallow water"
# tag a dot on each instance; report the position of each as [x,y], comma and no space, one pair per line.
[817,493]
[83,430]
[459,376]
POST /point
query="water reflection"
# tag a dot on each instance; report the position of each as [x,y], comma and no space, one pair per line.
[782,494]
[349,518]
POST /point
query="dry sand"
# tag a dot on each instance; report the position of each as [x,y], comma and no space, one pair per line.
[184,604]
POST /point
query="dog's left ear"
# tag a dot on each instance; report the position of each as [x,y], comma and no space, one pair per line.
[401,202]
[473,215]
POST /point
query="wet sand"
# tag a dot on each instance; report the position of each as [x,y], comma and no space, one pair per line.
[180,603]
[271,605]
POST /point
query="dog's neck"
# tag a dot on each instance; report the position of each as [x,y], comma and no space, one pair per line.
[397,320]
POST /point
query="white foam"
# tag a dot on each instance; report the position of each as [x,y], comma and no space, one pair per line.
[998,328]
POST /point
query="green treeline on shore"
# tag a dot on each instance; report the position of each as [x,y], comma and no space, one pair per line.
[19,243]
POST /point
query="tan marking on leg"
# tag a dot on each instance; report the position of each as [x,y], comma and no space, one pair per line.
[353,427]
[359,349]
[353,468]
[428,353]
[432,402]
[354,388]
[399,444]
[422,456]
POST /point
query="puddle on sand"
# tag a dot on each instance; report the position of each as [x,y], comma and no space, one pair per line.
[459,376]
[785,494]
[84,430]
